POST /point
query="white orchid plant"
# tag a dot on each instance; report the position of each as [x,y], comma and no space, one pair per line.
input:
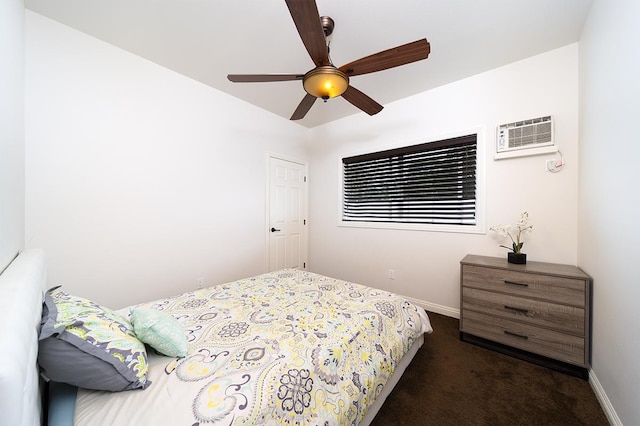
[515,232]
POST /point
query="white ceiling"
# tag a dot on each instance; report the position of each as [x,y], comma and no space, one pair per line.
[208,39]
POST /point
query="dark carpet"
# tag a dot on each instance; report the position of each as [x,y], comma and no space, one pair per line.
[451,382]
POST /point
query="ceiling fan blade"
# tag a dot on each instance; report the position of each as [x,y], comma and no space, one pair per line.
[304,107]
[261,78]
[390,58]
[362,101]
[307,19]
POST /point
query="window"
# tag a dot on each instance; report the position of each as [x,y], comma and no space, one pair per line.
[429,183]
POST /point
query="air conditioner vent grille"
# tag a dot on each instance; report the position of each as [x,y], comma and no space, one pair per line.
[530,135]
[533,133]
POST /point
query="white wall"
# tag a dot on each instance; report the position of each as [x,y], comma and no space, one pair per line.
[608,202]
[427,263]
[139,180]
[11,129]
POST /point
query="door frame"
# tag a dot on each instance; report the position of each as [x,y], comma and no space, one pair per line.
[305,203]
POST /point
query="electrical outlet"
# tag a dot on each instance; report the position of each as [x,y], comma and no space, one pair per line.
[551,165]
[392,274]
[200,282]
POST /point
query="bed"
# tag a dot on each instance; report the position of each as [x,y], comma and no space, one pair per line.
[286,347]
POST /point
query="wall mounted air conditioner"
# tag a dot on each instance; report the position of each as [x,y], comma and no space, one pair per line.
[526,137]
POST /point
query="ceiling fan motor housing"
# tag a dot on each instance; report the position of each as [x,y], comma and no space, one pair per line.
[327,25]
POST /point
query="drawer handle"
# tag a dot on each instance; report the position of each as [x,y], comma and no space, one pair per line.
[511,333]
[520,310]
[516,283]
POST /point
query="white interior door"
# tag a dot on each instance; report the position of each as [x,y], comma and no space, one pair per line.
[287,214]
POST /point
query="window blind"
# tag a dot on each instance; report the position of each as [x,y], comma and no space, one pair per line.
[431,183]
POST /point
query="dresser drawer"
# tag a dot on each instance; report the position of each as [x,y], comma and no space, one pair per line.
[563,318]
[544,287]
[552,344]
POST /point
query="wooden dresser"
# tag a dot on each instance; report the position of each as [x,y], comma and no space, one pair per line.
[540,311]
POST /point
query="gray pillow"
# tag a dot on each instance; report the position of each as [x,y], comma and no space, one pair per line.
[90,346]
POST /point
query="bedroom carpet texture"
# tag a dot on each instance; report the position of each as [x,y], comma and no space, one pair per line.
[451,382]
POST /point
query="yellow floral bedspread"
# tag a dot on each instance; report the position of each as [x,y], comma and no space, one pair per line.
[283,348]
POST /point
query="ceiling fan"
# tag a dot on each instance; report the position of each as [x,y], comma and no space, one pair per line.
[326,80]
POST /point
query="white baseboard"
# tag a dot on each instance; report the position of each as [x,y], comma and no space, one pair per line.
[605,403]
[438,309]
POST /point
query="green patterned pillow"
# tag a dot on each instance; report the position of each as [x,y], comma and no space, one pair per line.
[88,345]
[159,330]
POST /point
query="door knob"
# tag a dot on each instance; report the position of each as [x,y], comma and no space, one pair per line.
[275,230]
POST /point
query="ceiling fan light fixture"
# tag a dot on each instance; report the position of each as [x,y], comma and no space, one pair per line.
[325,82]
